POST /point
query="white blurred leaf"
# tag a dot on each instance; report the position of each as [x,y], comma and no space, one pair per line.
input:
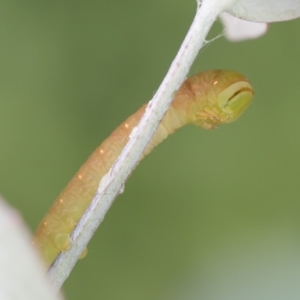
[266,10]
[22,275]
[239,30]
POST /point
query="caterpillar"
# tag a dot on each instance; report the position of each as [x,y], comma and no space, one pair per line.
[205,99]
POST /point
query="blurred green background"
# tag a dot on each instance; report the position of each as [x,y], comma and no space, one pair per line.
[209,214]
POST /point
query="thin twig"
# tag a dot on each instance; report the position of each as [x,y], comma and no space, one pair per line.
[113,182]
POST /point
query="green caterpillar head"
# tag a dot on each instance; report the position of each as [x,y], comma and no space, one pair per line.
[221,98]
[234,100]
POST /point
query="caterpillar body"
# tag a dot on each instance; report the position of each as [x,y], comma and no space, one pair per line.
[206,100]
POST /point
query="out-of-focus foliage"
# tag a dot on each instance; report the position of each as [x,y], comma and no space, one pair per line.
[266,10]
[209,214]
[22,275]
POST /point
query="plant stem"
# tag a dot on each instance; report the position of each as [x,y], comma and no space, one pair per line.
[113,182]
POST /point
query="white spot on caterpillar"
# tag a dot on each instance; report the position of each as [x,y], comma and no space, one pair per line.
[103,182]
[133,133]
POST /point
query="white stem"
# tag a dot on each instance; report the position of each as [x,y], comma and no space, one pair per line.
[141,135]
